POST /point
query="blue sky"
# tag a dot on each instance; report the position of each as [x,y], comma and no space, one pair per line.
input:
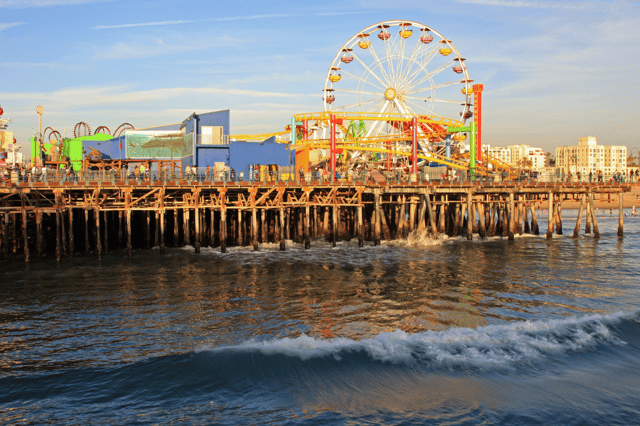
[553,70]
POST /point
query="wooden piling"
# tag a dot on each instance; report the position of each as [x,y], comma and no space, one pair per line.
[240,240]
[596,232]
[98,242]
[176,229]
[469,216]
[58,241]
[147,229]
[481,223]
[129,246]
[156,229]
[559,216]
[576,231]
[376,218]
[512,223]
[282,234]
[223,229]
[39,236]
[587,226]
[359,226]
[120,219]
[196,219]
[185,225]
[14,238]
[551,217]
[432,216]
[105,216]
[24,235]
[70,233]
[254,229]
[5,234]
[620,214]
[162,249]
[535,229]
[263,226]
[307,228]
[334,225]
[87,246]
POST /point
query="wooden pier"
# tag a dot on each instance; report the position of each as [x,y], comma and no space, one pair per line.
[71,217]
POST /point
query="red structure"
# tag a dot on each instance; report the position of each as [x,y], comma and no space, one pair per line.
[414,145]
[477,106]
[333,145]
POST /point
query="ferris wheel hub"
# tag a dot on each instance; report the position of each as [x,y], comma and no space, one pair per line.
[390,93]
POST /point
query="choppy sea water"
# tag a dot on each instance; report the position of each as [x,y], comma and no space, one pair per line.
[531,331]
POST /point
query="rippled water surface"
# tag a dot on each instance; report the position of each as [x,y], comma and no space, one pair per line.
[531,331]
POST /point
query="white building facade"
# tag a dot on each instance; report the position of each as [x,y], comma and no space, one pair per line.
[588,157]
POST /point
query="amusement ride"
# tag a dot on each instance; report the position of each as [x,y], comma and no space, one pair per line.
[396,90]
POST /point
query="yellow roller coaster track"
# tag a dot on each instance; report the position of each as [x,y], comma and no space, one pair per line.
[348,145]
[376,116]
[257,136]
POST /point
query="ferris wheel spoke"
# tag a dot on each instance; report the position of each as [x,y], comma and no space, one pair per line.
[368,69]
[430,75]
[437,86]
[412,72]
[378,122]
[345,107]
[424,56]
[400,63]
[429,54]
[360,92]
[380,66]
[433,99]
[362,80]
[411,60]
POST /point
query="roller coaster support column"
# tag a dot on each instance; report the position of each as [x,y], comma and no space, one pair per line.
[332,141]
[305,129]
[293,130]
[477,110]
[472,142]
[472,150]
[448,146]
[414,145]
[389,156]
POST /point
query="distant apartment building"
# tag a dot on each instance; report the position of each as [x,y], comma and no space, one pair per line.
[588,156]
[527,156]
[499,153]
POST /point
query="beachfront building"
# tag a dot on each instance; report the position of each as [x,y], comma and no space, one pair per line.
[589,157]
[500,153]
[527,156]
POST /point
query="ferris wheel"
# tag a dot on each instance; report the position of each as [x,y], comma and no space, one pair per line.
[400,68]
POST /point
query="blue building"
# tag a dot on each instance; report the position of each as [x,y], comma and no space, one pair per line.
[200,139]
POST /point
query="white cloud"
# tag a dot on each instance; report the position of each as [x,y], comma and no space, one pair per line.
[24,4]
[80,97]
[6,26]
[528,4]
[224,19]
[147,48]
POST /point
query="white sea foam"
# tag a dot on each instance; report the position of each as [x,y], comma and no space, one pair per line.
[489,347]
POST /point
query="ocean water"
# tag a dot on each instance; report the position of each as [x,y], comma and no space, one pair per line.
[531,331]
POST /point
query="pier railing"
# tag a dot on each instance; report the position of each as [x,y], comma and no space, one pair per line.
[379,177]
